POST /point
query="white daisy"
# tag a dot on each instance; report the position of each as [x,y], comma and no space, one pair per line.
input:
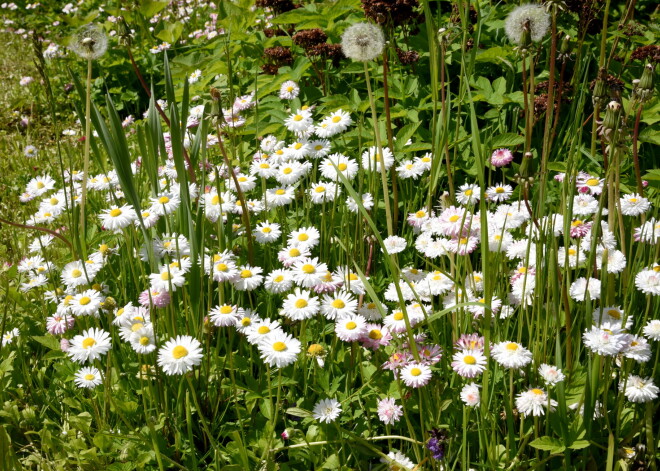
[326,410]
[179,355]
[279,349]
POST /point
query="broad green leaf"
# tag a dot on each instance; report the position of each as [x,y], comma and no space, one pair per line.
[553,445]
[508,139]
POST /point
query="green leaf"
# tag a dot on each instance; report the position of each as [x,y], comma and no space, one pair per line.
[553,445]
[650,135]
[149,8]
[403,135]
[47,341]
[507,139]
[579,444]
[171,32]
[266,408]
[298,412]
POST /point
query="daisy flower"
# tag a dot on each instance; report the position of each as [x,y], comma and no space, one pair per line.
[468,194]
[551,374]
[165,203]
[261,329]
[337,122]
[225,315]
[582,287]
[249,278]
[89,346]
[351,328]
[499,193]
[372,159]
[326,410]
[470,395]
[335,164]
[322,192]
[167,279]
[501,157]
[142,340]
[179,355]
[278,281]
[308,272]
[469,363]
[416,375]
[367,201]
[393,244]
[511,355]
[305,236]
[300,305]
[267,232]
[289,90]
[638,389]
[652,330]
[86,303]
[397,461]
[388,411]
[88,377]
[339,304]
[588,183]
[279,349]
[606,340]
[375,336]
[117,218]
[534,402]
[648,280]
[299,121]
[611,315]
[58,324]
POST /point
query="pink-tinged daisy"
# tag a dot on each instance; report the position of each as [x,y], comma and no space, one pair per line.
[376,336]
[470,395]
[501,157]
[511,355]
[534,402]
[388,411]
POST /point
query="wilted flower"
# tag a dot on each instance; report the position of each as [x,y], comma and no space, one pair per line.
[362,42]
[90,42]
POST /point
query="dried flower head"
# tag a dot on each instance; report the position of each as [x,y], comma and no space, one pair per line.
[394,12]
[362,42]
[90,42]
[527,21]
[308,38]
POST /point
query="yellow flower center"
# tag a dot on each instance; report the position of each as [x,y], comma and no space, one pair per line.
[512,346]
[538,392]
[297,145]
[137,326]
[165,276]
[351,325]
[319,189]
[163,200]
[279,346]
[633,200]
[469,360]
[338,304]
[54,201]
[75,273]
[278,279]
[298,117]
[614,313]
[301,303]
[226,309]
[454,218]
[115,212]
[375,334]
[342,166]
[336,119]
[308,268]
[40,185]
[468,192]
[246,321]
[592,182]
[420,214]
[88,343]
[264,329]
[85,300]
[89,376]
[221,267]
[179,352]
[415,372]
[398,316]
[266,230]
[144,341]
[246,274]
[294,252]
[371,306]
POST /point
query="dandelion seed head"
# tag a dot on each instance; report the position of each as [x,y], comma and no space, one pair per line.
[531,17]
[362,42]
[90,42]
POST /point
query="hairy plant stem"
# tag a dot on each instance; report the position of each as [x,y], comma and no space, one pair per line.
[379,153]
[241,197]
[88,135]
[390,140]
